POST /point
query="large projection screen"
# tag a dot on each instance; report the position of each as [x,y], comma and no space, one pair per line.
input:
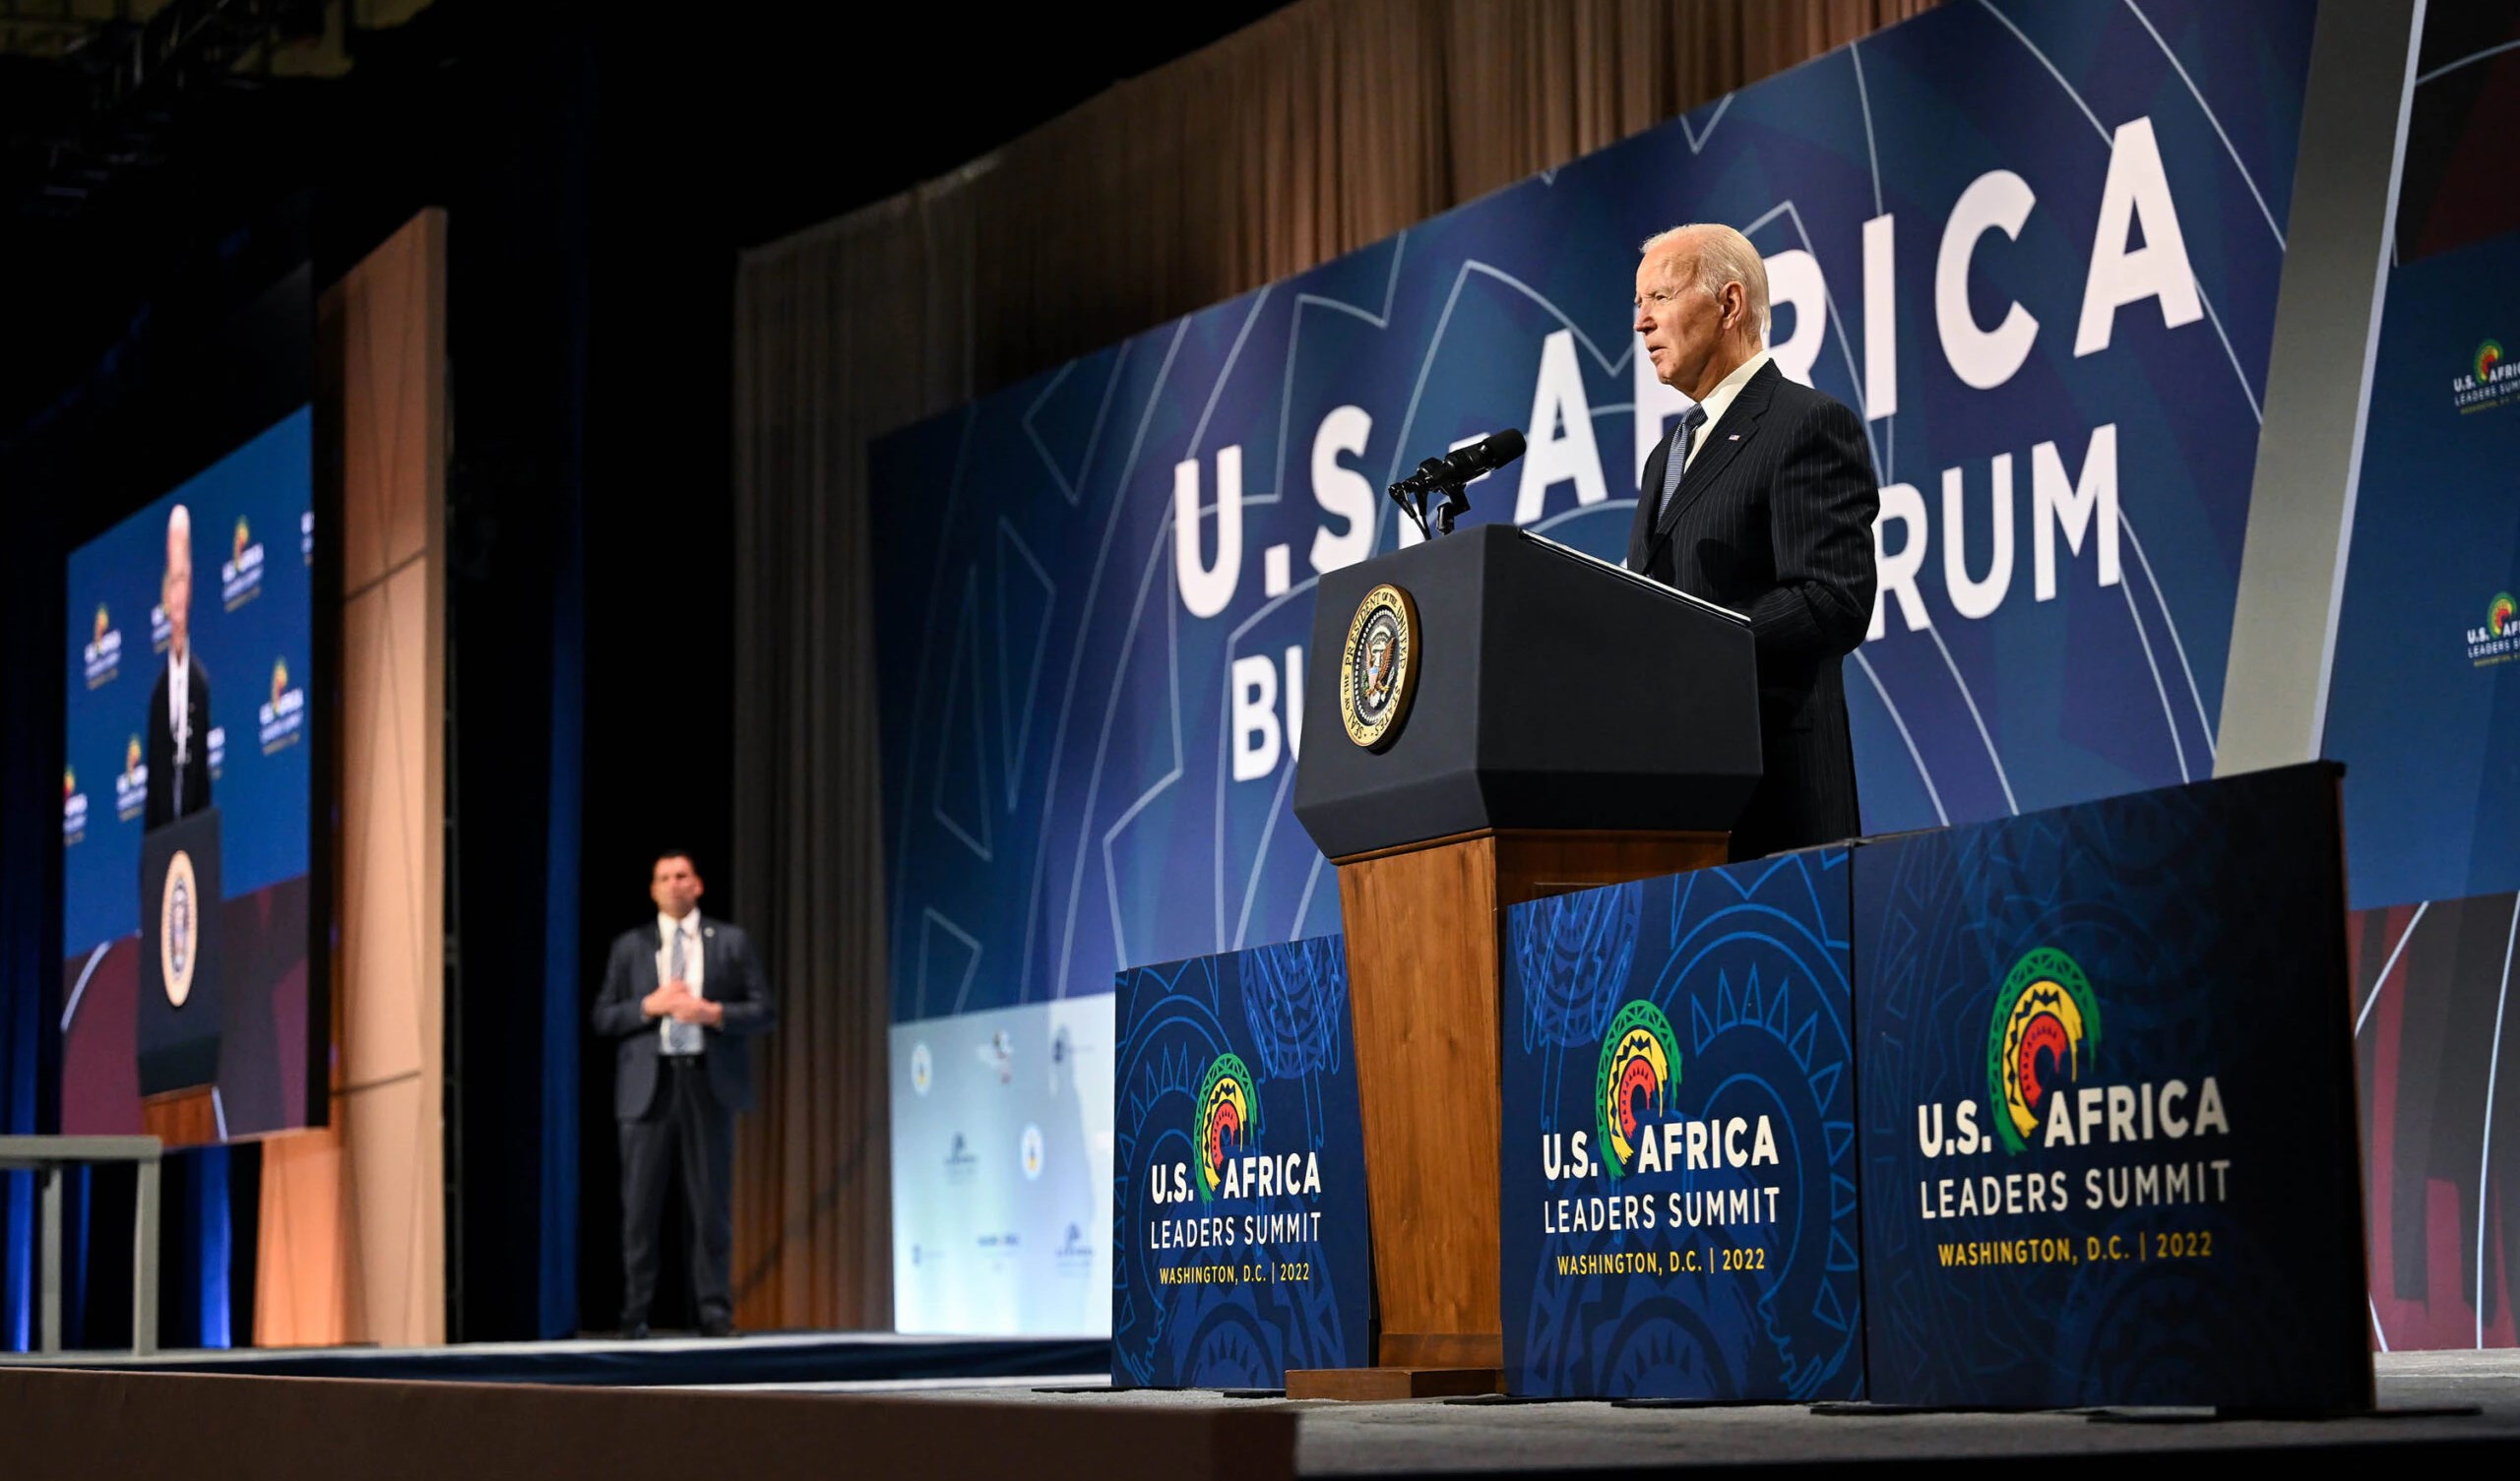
[189,1007]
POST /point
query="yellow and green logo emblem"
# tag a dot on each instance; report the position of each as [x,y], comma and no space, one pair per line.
[2045,1029]
[1229,1119]
[1631,1092]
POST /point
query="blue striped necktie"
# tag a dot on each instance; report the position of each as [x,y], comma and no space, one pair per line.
[1690,421]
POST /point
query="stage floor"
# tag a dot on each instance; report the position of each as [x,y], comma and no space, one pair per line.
[1507,1436]
[2441,1410]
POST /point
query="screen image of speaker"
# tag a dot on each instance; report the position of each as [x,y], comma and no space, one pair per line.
[190,768]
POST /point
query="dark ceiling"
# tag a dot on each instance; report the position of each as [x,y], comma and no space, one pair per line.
[138,137]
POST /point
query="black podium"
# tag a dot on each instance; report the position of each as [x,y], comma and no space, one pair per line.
[179,1013]
[1490,717]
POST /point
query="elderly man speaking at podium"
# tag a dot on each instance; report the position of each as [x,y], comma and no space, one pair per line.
[179,702]
[1761,498]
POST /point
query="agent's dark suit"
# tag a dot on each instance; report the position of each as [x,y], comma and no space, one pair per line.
[681,1113]
[160,805]
[1774,518]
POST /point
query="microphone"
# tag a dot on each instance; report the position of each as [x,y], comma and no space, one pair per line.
[1484,456]
[1463,464]
[1447,475]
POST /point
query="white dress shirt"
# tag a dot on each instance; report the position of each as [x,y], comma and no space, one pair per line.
[695,971]
[179,703]
[1720,401]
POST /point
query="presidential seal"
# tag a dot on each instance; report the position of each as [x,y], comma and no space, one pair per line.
[180,928]
[1378,669]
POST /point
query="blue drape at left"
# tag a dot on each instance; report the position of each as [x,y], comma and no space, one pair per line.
[205,1299]
[29,844]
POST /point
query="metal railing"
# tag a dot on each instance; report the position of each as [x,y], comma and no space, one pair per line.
[47,1157]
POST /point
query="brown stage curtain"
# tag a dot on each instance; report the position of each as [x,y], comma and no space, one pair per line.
[1326,126]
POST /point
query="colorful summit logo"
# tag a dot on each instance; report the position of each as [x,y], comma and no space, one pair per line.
[74,808]
[2490,379]
[101,658]
[2499,640]
[2045,1030]
[131,783]
[1631,1091]
[1228,1110]
[240,575]
[283,714]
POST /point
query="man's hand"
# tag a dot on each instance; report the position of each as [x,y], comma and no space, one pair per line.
[666,1000]
[690,1009]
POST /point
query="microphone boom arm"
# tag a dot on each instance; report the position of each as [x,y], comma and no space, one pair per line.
[1448,474]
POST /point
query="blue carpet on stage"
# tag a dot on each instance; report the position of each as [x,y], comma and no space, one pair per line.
[771,1358]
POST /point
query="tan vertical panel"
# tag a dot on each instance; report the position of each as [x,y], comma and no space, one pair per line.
[301,1293]
[354,1226]
[391,1031]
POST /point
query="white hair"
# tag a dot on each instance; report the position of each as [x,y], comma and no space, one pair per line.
[1724,256]
[179,526]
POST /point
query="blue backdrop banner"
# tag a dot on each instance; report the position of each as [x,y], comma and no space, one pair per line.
[1238,1172]
[2035,246]
[2425,690]
[2108,1134]
[1680,1143]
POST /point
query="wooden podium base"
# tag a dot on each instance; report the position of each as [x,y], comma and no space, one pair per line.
[181,1118]
[1425,932]
[1392,1382]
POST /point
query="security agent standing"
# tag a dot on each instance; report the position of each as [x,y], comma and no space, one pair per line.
[682,996]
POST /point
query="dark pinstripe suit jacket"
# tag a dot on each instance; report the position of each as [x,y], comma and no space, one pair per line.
[1774,518]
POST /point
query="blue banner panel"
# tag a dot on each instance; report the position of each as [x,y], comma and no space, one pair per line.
[1238,1172]
[2426,691]
[2108,1135]
[1678,1170]
[2035,246]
